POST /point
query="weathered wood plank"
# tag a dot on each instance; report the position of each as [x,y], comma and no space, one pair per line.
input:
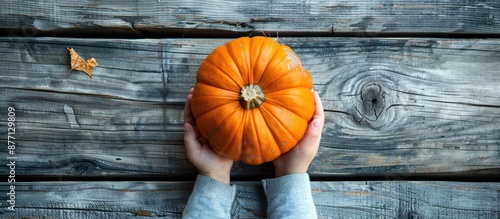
[133,69]
[395,107]
[364,199]
[137,17]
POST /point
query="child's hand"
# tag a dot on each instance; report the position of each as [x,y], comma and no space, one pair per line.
[298,159]
[200,153]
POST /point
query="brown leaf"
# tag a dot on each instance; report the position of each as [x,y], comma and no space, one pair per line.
[79,64]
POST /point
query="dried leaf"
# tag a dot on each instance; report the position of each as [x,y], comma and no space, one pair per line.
[79,64]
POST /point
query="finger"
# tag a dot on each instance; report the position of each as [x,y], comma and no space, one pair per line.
[314,130]
[191,143]
[318,118]
[312,136]
[188,114]
[319,111]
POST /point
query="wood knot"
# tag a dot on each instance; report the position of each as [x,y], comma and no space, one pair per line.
[490,19]
[83,167]
[373,101]
[372,104]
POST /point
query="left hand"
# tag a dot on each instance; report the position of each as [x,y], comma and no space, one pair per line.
[199,151]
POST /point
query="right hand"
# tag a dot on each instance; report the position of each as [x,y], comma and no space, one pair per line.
[298,159]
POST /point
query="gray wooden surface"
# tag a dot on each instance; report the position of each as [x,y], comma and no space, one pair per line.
[362,199]
[395,107]
[422,105]
[216,17]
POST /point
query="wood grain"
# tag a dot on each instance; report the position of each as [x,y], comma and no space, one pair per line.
[217,17]
[396,108]
[361,199]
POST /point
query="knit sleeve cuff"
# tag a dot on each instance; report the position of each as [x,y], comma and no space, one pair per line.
[289,196]
[210,197]
[209,187]
[298,182]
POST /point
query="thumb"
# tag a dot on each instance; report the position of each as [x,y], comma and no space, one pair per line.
[190,141]
[312,136]
[315,128]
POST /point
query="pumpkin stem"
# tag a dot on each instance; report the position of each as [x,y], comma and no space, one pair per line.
[251,96]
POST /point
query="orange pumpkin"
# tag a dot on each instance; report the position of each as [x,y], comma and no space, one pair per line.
[252,99]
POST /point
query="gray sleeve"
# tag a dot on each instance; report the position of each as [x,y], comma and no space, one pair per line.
[210,198]
[289,196]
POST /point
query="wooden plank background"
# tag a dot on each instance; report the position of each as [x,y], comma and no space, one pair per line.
[410,90]
[363,199]
[394,106]
[244,17]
